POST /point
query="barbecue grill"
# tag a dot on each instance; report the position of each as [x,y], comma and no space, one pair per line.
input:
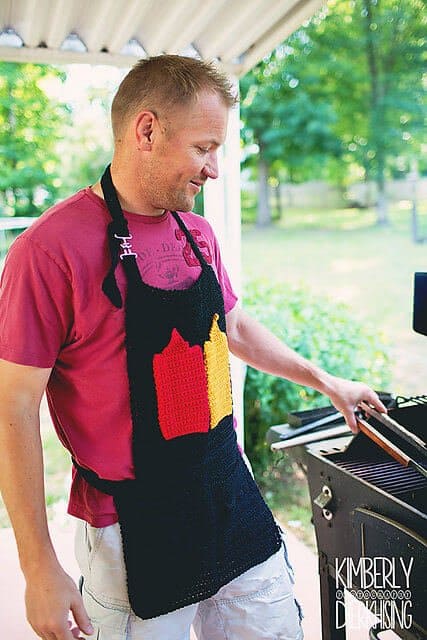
[369,510]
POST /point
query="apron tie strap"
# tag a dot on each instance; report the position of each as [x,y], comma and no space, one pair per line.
[116,231]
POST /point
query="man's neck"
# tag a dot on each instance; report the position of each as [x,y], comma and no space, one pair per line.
[127,202]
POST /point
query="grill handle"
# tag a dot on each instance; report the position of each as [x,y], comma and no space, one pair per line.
[386,420]
[389,447]
[383,442]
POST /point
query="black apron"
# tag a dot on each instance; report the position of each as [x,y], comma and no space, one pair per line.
[193,518]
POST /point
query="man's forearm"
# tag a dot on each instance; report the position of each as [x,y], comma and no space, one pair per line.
[258,347]
[50,593]
[22,487]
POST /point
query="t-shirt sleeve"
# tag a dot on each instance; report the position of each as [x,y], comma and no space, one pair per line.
[35,306]
[230,297]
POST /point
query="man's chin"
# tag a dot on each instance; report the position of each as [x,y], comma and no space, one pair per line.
[186,204]
[181,201]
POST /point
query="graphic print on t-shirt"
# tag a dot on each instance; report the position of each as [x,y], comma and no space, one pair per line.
[188,253]
[165,261]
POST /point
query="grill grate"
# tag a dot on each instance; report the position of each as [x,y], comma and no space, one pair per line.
[389,476]
[402,401]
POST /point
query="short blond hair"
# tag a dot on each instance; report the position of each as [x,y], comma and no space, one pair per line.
[165,81]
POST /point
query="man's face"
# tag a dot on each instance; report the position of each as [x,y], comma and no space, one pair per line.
[184,155]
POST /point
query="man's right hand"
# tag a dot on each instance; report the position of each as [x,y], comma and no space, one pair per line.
[50,595]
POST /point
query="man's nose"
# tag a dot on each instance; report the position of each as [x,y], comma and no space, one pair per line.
[211,166]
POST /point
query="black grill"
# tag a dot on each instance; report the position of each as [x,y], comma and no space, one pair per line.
[367,505]
[388,475]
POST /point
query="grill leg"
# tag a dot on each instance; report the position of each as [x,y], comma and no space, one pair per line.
[327,601]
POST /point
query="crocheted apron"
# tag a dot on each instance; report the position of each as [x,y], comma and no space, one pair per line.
[193,518]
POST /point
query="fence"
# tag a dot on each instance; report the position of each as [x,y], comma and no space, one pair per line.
[8,229]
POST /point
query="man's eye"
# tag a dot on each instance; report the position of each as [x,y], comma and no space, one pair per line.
[202,149]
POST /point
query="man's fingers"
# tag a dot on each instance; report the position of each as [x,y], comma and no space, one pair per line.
[347,397]
[374,400]
[74,630]
[379,405]
[47,636]
[56,632]
[80,616]
[351,421]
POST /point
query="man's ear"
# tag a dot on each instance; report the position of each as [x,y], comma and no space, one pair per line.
[144,128]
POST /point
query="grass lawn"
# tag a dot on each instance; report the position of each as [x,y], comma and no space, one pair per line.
[340,254]
[344,256]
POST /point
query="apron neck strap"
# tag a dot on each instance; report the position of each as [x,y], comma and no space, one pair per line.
[112,202]
[117,230]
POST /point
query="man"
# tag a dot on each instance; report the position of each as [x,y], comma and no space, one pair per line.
[119,307]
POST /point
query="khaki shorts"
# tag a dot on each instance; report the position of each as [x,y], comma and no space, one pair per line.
[257,605]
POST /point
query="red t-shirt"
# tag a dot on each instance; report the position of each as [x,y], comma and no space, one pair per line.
[53,313]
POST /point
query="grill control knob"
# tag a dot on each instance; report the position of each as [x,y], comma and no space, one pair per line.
[323,500]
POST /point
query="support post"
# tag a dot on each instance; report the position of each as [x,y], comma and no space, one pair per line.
[222,209]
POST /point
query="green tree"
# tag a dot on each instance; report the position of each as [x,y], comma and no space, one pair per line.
[31,124]
[354,73]
[87,145]
[370,57]
[287,132]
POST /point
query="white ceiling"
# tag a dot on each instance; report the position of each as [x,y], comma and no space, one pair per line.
[238,33]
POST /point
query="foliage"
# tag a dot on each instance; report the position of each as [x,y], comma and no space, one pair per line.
[318,329]
[291,130]
[370,54]
[31,124]
[287,132]
[87,145]
[86,161]
[342,97]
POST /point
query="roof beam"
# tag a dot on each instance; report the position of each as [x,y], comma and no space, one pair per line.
[99,24]
[300,12]
[128,27]
[189,31]
[5,12]
[30,30]
[237,33]
[42,55]
[163,26]
[253,28]
[60,24]
[211,40]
